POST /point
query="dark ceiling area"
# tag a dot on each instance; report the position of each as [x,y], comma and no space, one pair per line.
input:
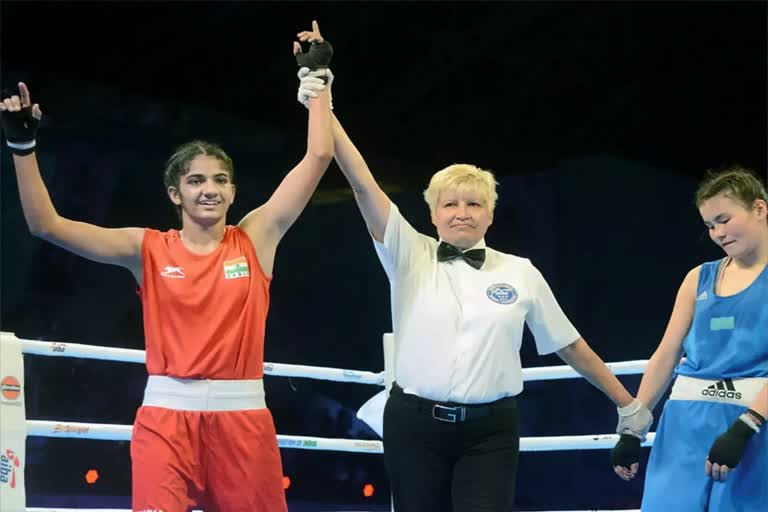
[513,86]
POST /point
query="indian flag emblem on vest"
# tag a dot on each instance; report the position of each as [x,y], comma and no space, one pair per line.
[235,268]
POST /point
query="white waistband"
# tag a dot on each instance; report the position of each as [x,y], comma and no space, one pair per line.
[204,395]
[727,391]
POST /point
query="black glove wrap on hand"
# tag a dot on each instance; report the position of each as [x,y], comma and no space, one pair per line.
[626,452]
[318,57]
[20,129]
[729,447]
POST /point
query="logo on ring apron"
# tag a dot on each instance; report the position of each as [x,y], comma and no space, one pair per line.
[10,390]
[9,463]
[502,293]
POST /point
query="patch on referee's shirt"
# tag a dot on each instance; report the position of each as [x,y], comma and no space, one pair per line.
[502,293]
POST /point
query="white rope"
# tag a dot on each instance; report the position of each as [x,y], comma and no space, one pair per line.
[109,432]
[58,349]
[588,442]
[323,373]
[566,372]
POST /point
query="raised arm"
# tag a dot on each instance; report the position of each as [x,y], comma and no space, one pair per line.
[370,198]
[114,246]
[268,224]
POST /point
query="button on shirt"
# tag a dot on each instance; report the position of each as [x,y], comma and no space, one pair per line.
[458,330]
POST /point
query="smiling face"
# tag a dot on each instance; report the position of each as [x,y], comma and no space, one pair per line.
[462,216]
[199,178]
[205,192]
[733,227]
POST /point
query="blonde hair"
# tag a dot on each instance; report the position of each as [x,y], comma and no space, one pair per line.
[462,176]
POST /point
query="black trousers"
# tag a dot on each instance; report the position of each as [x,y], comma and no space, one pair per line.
[438,465]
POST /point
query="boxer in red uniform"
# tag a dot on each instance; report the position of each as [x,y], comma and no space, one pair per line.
[203,436]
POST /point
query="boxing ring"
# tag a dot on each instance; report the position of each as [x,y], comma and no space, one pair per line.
[16,427]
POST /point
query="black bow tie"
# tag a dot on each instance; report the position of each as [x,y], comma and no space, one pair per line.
[474,257]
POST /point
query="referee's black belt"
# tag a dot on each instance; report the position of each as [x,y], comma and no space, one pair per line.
[451,412]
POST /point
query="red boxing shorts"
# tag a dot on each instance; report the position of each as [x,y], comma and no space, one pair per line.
[207,444]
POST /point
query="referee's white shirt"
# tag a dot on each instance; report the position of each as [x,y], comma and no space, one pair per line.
[458,330]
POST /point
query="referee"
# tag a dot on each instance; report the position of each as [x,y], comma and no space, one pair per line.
[451,435]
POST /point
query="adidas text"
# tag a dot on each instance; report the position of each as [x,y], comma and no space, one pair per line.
[721,393]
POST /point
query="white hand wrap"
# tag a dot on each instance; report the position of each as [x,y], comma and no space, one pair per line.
[635,419]
[310,84]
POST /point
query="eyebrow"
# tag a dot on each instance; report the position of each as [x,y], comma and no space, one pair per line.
[198,175]
[718,217]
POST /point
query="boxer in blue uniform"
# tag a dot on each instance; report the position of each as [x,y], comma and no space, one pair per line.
[711,448]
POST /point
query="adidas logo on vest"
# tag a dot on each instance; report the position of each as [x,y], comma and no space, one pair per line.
[722,389]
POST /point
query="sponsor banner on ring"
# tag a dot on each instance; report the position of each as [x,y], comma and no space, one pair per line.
[10,390]
[9,465]
[71,429]
[58,348]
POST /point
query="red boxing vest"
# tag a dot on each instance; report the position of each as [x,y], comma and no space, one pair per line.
[204,315]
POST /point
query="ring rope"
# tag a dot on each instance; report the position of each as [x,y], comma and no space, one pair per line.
[111,432]
[62,349]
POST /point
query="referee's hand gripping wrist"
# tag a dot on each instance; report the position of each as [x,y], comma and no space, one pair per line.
[635,419]
[312,83]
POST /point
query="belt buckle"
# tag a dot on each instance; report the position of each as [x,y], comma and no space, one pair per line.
[448,414]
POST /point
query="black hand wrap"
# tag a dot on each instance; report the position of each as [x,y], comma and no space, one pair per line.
[626,452]
[318,57]
[20,129]
[729,447]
